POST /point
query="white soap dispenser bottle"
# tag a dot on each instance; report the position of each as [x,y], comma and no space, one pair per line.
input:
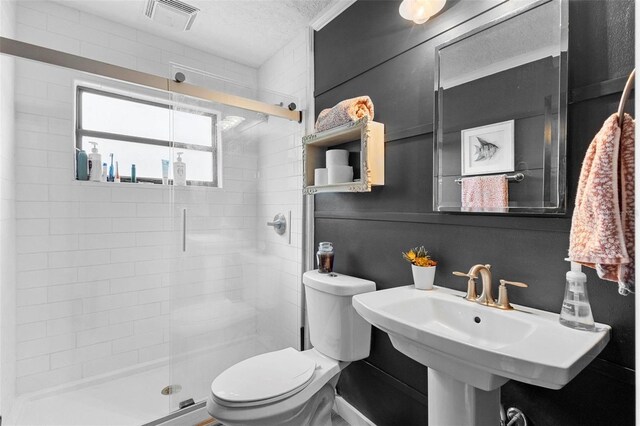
[95,164]
[576,309]
[179,172]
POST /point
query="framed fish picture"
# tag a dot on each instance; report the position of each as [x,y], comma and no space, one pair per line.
[488,149]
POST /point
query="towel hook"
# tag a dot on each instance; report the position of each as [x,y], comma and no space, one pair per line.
[625,95]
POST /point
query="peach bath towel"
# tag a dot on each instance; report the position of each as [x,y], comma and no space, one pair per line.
[485,193]
[344,112]
[603,225]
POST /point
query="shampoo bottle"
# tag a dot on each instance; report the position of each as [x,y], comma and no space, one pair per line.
[82,165]
[179,172]
[576,310]
[95,161]
[111,175]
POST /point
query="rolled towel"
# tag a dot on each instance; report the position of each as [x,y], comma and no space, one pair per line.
[344,112]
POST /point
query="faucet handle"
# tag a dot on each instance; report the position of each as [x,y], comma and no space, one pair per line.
[503,298]
[471,285]
[513,283]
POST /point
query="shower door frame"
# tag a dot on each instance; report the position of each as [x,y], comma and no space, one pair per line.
[34,52]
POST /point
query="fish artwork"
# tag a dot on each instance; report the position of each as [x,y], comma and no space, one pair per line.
[486,150]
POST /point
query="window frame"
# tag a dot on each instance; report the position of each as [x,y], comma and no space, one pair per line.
[80,132]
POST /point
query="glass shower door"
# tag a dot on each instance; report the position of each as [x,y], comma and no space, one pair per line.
[213,322]
[222,309]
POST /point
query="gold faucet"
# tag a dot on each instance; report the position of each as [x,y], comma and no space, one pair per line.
[486,298]
[472,295]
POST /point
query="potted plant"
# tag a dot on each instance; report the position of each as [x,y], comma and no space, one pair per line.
[422,266]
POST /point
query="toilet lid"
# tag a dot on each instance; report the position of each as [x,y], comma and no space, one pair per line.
[264,377]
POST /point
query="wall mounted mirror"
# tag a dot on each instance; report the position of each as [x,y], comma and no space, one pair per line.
[500,116]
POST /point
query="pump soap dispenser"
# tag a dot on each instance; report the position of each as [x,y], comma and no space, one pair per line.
[576,310]
[179,172]
[95,164]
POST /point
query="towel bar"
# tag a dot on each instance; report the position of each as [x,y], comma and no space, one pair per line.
[518,177]
[625,96]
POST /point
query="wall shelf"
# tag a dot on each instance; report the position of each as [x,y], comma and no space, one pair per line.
[371,137]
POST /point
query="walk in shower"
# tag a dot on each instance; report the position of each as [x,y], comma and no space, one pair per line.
[121,301]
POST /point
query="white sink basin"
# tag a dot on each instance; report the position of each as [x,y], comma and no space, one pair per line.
[477,345]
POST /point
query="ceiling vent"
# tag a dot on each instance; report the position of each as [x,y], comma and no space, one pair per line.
[172,13]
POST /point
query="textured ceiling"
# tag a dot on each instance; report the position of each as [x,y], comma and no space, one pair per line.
[246,31]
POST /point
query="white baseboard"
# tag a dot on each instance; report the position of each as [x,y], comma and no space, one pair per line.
[350,414]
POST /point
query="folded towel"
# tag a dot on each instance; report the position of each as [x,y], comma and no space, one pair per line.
[603,225]
[344,112]
[485,193]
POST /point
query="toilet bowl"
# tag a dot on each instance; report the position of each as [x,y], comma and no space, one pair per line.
[293,388]
[258,391]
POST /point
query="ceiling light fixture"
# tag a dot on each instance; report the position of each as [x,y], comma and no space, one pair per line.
[419,11]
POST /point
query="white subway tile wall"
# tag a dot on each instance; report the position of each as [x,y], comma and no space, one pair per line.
[100,273]
[8,162]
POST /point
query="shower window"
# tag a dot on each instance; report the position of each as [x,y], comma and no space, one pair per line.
[142,132]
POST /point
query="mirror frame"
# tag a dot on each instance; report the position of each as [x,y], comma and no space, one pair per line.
[561,180]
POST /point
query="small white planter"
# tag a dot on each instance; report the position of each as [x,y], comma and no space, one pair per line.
[423,276]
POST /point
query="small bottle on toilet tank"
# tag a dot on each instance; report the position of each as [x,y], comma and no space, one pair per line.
[325,257]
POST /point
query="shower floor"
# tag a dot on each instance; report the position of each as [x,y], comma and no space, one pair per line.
[131,400]
[130,397]
[135,399]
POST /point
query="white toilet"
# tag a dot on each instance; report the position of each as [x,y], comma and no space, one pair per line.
[289,387]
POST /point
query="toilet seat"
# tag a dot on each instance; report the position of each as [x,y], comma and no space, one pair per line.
[263,379]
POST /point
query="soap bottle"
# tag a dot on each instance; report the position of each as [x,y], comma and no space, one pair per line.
[95,162]
[82,165]
[576,310]
[179,172]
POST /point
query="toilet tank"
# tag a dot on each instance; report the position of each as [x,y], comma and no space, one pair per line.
[335,328]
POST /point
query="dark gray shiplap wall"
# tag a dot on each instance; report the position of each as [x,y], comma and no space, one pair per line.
[370,50]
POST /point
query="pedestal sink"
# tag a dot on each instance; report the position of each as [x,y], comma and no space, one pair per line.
[472,350]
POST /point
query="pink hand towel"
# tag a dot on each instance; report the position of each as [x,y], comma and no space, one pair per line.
[603,225]
[485,193]
[344,112]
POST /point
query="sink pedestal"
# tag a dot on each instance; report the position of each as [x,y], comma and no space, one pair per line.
[454,403]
